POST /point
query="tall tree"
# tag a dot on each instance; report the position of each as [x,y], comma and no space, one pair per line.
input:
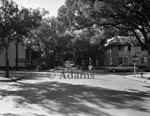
[15,24]
[130,15]
[23,22]
[50,41]
[6,30]
[76,19]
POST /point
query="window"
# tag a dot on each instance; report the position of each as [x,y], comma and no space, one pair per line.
[120,60]
[125,48]
[142,49]
[129,48]
[120,48]
[125,59]
[129,60]
[143,60]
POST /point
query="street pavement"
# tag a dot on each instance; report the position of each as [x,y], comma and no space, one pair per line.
[66,94]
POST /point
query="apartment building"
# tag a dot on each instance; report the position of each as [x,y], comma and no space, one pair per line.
[121,50]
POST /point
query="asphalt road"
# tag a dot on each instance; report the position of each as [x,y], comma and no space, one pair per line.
[67,94]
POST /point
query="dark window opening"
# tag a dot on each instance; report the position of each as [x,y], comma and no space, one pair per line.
[142,48]
[120,59]
[129,48]
[119,48]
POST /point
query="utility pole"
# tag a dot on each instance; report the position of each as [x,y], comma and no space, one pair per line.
[134,69]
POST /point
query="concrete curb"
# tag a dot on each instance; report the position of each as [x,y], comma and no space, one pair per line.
[138,78]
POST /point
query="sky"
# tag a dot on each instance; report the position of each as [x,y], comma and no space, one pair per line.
[50,5]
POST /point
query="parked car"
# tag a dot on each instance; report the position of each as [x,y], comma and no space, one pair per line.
[69,63]
[121,68]
[74,67]
[60,68]
[148,68]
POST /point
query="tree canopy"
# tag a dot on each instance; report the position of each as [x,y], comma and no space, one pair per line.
[15,23]
[51,42]
[130,15]
[80,30]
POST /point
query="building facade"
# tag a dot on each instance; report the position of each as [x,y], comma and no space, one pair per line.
[22,56]
[121,51]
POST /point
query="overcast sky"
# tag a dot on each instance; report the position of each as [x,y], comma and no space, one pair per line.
[51,5]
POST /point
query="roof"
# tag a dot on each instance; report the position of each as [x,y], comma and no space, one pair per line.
[123,40]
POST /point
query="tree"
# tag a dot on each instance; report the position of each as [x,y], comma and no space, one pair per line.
[81,47]
[72,17]
[6,31]
[130,15]
[24,21]
[15,24]
[75,19]
[51,42]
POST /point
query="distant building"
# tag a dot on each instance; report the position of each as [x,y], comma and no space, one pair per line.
[22,56]
[121,49]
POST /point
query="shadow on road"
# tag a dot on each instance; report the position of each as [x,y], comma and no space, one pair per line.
[70,100]
[147,86]
[14,77]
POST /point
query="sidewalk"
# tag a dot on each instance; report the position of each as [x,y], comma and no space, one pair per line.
[137,77]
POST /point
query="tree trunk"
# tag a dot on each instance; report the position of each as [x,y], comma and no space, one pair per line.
[7,61]
[16,56]
[101,59]
[148,48]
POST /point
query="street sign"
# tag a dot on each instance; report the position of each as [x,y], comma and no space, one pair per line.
[135,58]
